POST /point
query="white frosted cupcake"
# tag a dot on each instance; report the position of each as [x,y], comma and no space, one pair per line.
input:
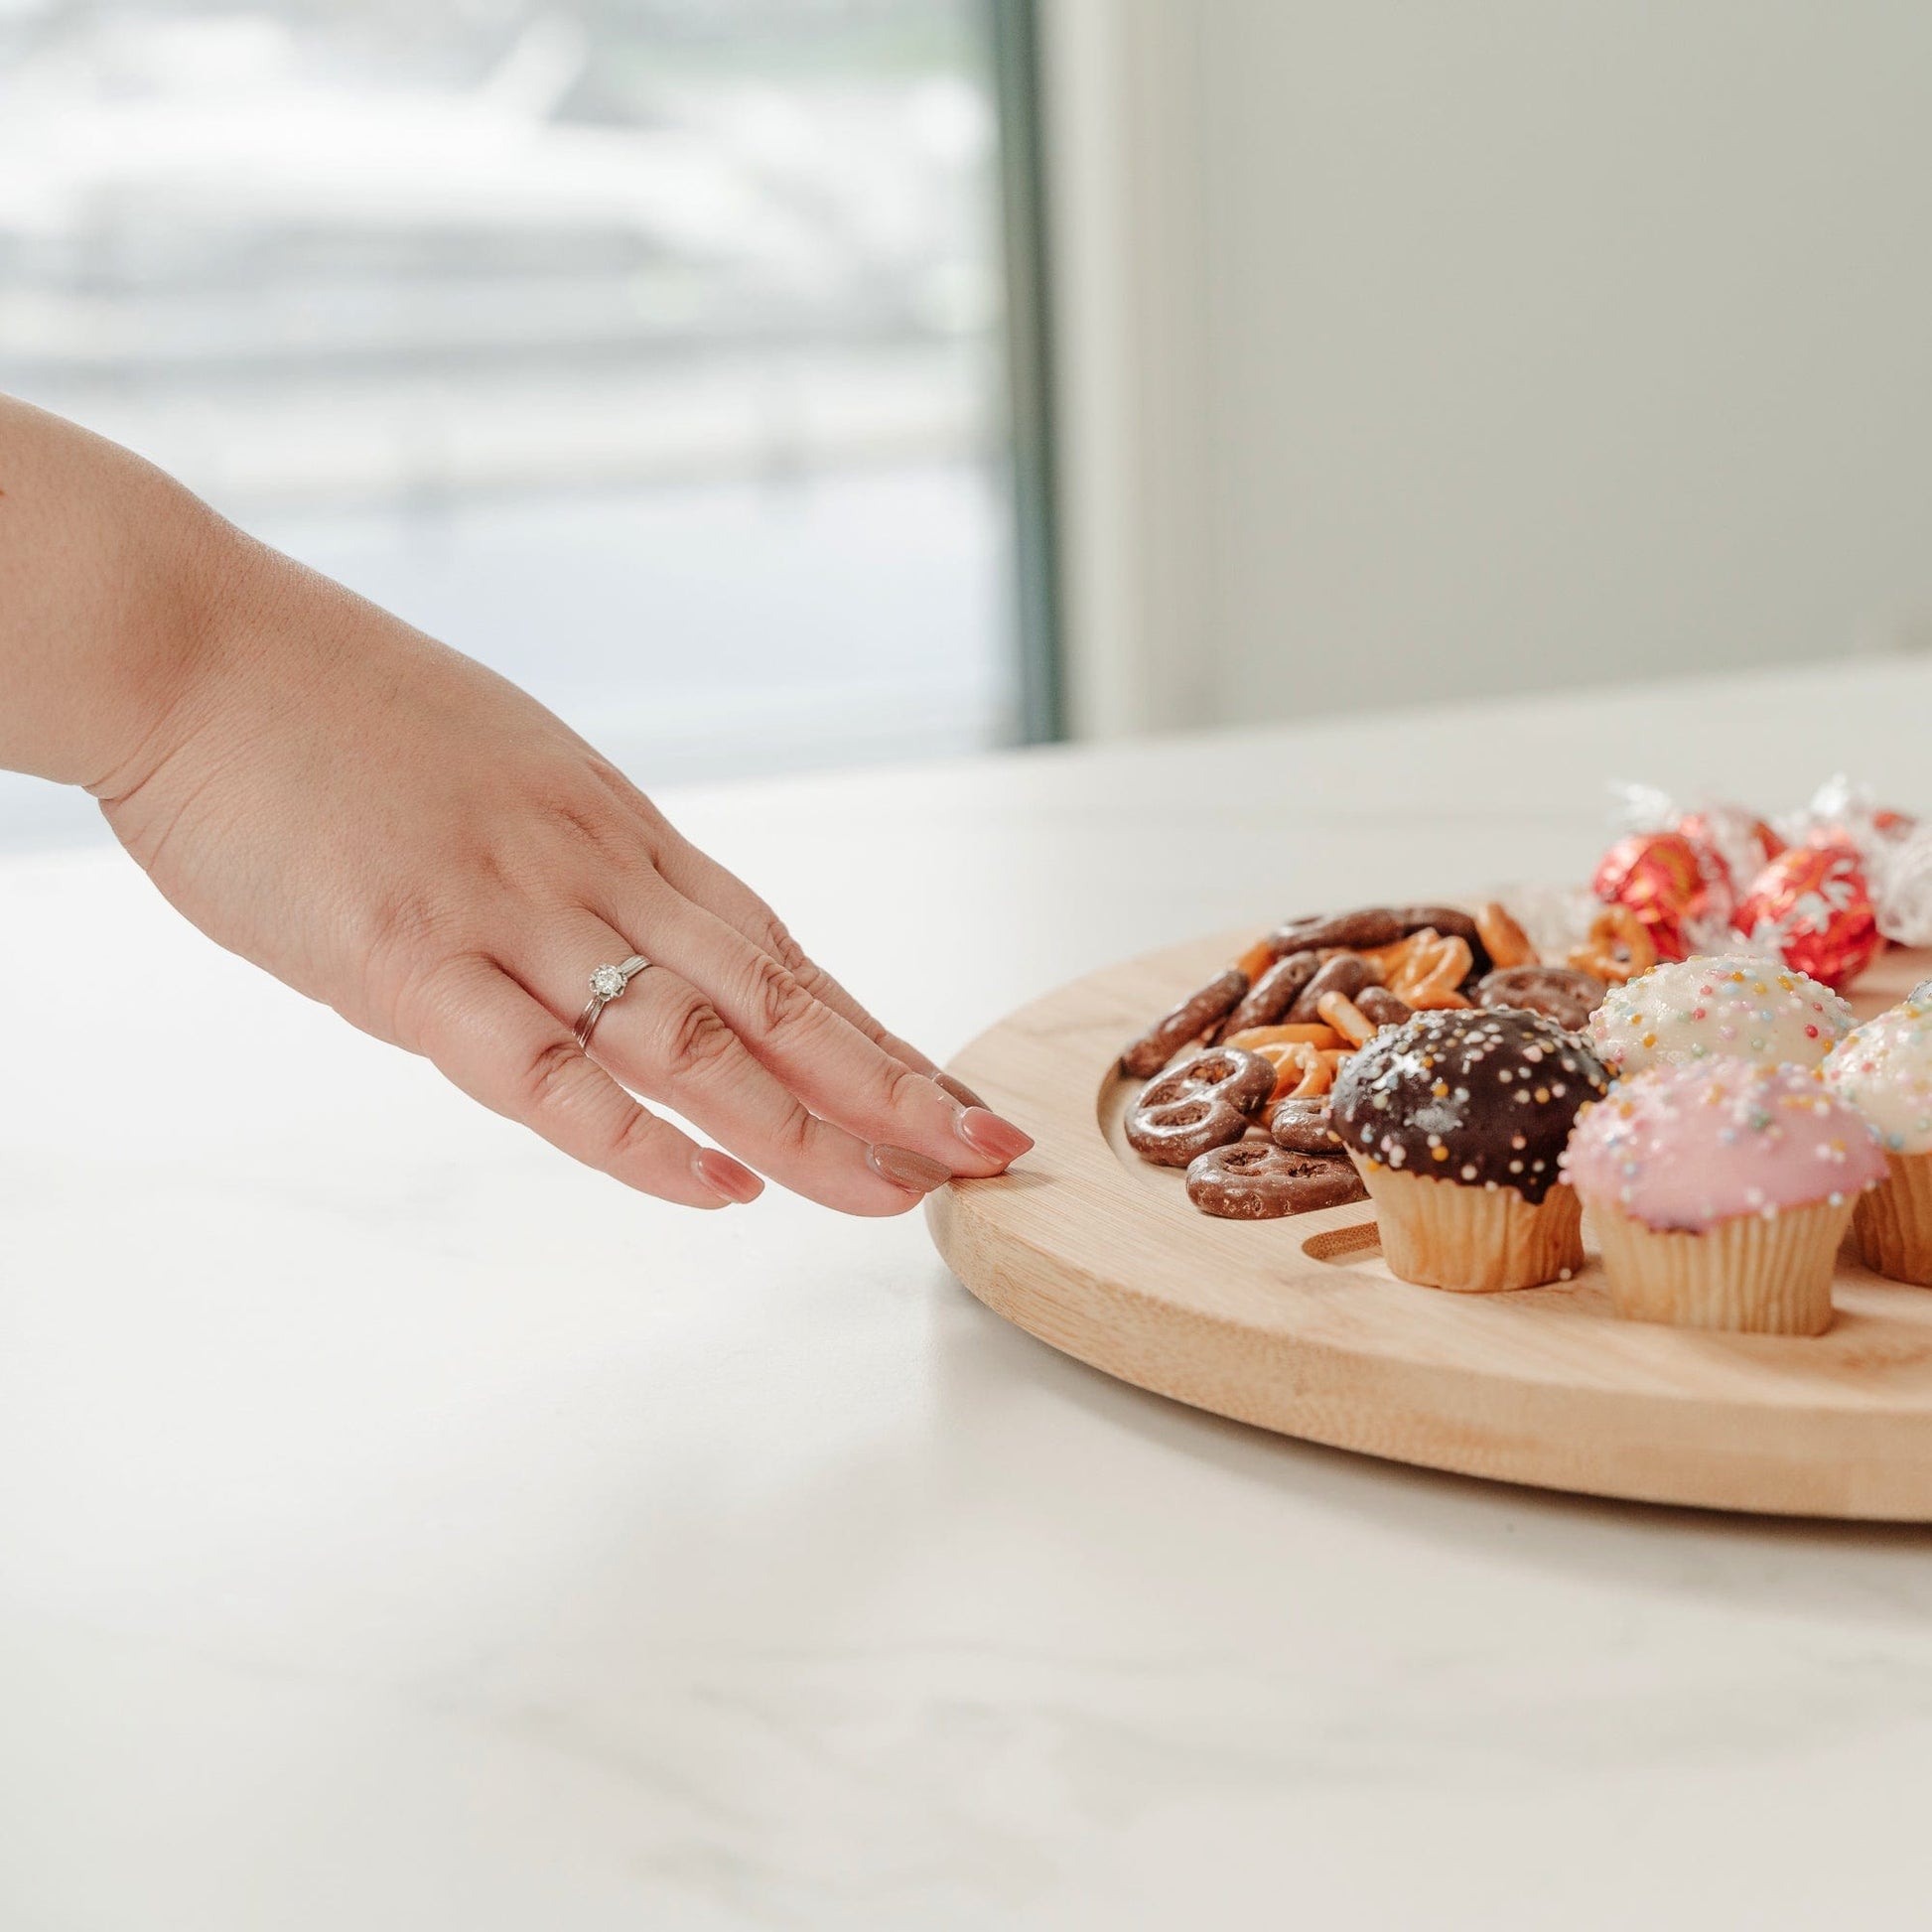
[1884,1071]
[1721,1006]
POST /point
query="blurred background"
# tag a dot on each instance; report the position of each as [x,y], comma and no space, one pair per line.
[647,350]
[773,384]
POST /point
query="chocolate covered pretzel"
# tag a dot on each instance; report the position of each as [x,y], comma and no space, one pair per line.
[1260,1182]
[1191,1020]
[1203,1103]
[1271,995]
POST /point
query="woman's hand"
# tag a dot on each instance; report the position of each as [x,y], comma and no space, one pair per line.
[392,829]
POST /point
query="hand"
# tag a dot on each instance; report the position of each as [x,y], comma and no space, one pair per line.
[394,830]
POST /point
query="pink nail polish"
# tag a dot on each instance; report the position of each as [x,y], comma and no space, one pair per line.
[728,1177]
[989,1134]
[904,1168]
[959,1090]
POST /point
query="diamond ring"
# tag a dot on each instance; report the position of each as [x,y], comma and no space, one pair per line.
[607,984]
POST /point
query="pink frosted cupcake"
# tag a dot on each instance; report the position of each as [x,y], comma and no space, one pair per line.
[1720,1193]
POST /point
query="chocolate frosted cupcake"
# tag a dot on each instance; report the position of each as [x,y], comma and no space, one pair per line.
[1456,1121]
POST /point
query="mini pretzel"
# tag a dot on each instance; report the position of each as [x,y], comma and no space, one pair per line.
[1433,981]
[1506,943]
[1384,1008]
[1301,1072]
[1619,948]
[1191,1019]
[1270,997]
[1346,972]
[1450,920]
[1559,993]
[1411,957]
[1303,1126]
[1259,1181]
[1347,1018]
[1393,959]
[1373,925]
[1203,1103]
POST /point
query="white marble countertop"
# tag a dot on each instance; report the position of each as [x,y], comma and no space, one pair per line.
[401,1528]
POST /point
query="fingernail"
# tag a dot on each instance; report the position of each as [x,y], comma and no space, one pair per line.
[959,1090]
[991,1135]
[904,1168]
[730,1178]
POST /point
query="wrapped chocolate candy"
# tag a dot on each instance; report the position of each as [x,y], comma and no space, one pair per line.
[1743,840]
[1815,906]
[1679,888]
[1901,889]
[1844,811]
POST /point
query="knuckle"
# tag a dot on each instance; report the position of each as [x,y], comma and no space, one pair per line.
[407,932]
[425,991]
[904,1087]
[694,1039]
[550,1073]
[778,1001]
[587,825]
[786,950]
[639,1140]
[794,1136]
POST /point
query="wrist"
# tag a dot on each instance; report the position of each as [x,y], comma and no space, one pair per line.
[111,579]
[166,673]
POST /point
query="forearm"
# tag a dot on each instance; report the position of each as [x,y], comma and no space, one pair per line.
[109,574]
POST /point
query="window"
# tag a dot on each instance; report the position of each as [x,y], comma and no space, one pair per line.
[646,349]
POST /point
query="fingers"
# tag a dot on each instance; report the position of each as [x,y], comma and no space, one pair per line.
[839,1074]
[703,880]
[496,1043]
[666,1039]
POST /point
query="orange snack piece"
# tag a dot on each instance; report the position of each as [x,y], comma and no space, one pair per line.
[1347,1017]
[1389,961]
[1505,941]
[1255,960]
[1257,1040]
[1619,948]
[1301,1071]
[1436,973]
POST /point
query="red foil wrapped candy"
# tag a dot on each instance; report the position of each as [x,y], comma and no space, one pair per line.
[1679,888]
[1814,905]
[1736,833]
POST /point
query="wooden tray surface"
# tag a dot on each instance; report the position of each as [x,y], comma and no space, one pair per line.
[1297,1325]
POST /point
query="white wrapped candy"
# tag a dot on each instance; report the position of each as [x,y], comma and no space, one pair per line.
[1901,886]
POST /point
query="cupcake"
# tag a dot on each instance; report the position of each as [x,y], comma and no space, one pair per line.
[1455,1121]
[1731,1005]
[1720,1193]
[1884,1072]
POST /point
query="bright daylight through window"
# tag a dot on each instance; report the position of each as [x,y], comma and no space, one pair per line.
[646,349]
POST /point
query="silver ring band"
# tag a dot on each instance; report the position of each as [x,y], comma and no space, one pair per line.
[607,983]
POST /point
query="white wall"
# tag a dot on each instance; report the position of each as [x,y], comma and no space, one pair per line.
[1412,349]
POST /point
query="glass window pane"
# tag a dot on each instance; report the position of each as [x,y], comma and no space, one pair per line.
[647,350]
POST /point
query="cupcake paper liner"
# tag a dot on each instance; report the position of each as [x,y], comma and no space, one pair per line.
[1748,1274]
[1472,1240]
[1893,1223]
